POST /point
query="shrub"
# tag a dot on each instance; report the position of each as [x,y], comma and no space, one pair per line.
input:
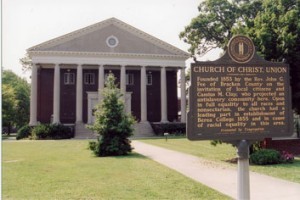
[286,157]
[171,128]
[24,132]
[92,145]
[265,157]
[52,131]
[41,131]
[59,131]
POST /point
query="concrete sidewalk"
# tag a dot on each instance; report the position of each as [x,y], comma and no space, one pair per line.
[218,177]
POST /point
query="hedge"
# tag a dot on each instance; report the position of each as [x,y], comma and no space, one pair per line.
[175,128]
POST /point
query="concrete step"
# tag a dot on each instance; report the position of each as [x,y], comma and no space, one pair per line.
[143,129]
[82,132]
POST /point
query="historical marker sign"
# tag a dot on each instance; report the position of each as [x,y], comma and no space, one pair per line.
[239,96]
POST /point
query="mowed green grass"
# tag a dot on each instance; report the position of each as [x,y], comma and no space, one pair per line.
[68,170]
[223,152]
[201,149]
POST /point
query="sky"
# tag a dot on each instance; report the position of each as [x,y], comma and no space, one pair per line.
[26,23]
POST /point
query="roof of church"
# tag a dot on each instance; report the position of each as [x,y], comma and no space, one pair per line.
[111,36]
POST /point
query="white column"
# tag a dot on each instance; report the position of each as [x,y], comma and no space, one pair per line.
[163,94]
[100,82]
[79,95]
[143,95]
[183,95]
[33,96]
[56,94]
[123,82]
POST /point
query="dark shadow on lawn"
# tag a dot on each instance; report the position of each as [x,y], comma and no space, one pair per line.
[171,137]
[131,156]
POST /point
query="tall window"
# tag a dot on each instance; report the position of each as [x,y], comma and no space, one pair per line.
[69,78]
[129,79]
[149,79]
[89,78]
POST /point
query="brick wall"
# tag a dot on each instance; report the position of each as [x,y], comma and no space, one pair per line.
[289,145]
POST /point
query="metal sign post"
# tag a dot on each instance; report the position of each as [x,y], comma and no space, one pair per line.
[243,170]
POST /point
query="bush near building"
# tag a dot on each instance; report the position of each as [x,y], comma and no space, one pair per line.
[271,156]
[45,131]
[171,128]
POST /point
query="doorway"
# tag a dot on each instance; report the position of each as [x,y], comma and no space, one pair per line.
[93,102]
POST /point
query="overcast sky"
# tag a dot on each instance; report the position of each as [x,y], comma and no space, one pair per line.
[26,23]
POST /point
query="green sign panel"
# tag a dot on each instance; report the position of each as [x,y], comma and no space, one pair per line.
[240,96]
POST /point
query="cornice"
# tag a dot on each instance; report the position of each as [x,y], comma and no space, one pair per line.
[106,54]
[107,59]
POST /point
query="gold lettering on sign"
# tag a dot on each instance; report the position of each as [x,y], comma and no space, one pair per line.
[248,103]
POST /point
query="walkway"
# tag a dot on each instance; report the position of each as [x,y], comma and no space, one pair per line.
[218,177]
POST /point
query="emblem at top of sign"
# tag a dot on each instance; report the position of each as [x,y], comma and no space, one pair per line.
[241,49]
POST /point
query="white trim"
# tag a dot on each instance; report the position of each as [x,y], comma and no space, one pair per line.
[79,92]
[143,95]
[183,95]
[128,102]
[100,81]
[89,78]
[113,59]
[105,54]
[69,78]
[56,95]
[33,95]
[149,79]
[91,96]
[163,95]
[114,38]
[129,79]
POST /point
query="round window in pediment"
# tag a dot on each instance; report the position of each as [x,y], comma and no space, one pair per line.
[112,41]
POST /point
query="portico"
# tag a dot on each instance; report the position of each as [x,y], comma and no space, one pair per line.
[69,72]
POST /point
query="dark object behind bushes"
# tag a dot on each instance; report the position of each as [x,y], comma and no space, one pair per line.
[24,132]
[175,128]
[265,157]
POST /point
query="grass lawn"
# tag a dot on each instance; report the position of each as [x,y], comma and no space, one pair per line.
[68,170]
[221,153]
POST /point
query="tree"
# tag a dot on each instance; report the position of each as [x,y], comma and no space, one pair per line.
[20,98]
[8,107]
[22,92]
[276,33]
[273,25]
[26,63]
[214,25]
[112,123]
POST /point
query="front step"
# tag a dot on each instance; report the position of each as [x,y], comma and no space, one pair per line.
[81,132]
[143,129]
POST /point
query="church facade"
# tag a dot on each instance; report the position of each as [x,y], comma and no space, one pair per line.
[69,72]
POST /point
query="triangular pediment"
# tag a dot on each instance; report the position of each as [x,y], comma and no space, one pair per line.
[94,38]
